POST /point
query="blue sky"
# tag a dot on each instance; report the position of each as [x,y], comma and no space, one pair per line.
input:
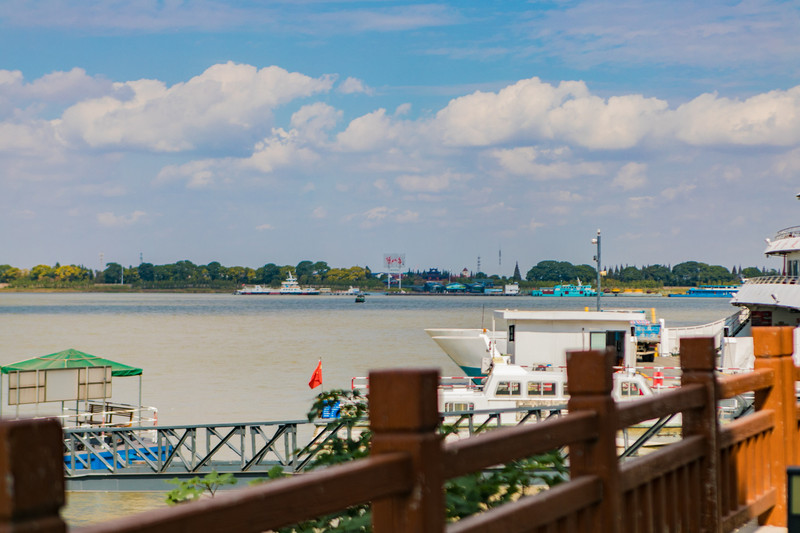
[256,132]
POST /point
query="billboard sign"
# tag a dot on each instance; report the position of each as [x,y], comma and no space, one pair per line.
[394,262]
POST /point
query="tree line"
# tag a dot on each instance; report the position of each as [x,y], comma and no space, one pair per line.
[215,276]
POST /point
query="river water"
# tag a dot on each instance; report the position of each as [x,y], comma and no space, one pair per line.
[223,358]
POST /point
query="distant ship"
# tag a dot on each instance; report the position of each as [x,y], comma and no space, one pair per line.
[290,287]
[709,291]
[566,290]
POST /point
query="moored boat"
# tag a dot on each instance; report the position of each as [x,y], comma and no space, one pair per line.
[569,291]
[709,291]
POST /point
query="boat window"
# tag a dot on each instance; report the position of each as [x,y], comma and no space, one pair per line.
[511,333]
[548,389]
[508,388]
[629,389]
[534,388]
[449,407]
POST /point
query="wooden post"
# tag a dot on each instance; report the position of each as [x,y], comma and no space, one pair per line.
[773,347]
[404,416]
[32,470]
[590,386]
[698,358]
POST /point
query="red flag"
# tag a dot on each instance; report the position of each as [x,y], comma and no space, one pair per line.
[316,377]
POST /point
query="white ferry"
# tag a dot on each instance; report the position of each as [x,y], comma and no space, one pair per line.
[290,286]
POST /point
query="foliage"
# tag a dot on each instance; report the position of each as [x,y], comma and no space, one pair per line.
[194,488]
[480,491]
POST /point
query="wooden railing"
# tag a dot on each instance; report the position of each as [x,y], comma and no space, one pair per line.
[714,478]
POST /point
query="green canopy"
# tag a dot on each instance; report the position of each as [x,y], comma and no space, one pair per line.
[71,359]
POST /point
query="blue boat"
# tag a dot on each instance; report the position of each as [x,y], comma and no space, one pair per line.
[709,291]
[566,291]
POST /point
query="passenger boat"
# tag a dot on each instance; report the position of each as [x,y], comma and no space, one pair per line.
[709,291]
[570,291]
[534,338]
[288,287]
[510,386]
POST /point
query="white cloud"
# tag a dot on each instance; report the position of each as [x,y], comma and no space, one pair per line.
[265,227]
[110,220]
[319,212]
[531,110]
[429,183]
[533,225]
[354,85]
[539,164]
[226,101]
[771,118]
[670,193]
[631,176]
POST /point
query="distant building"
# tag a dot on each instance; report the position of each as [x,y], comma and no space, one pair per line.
[456,287]
[465,273]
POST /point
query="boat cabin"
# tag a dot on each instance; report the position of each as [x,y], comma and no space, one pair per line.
[542,338]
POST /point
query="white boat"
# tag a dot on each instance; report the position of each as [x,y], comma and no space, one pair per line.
[509,386]
[256,289]
[541,338]
[288,287]
[470,349]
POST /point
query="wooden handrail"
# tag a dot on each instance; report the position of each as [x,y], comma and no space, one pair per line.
[744,428]
[528,513]
[759,379]
[278,503]
[660,405]
[657,463]
[503,445]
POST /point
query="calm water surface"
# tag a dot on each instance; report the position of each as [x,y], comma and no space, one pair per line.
[225,358]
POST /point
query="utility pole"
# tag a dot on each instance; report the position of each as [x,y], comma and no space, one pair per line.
[597,259]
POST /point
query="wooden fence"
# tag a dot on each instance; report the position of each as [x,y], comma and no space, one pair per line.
[715,478]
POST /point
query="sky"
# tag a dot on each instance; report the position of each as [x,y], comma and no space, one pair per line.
[504,132]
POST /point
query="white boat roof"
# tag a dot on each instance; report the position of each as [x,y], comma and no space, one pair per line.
[570,316]
[783,246]
[769,291]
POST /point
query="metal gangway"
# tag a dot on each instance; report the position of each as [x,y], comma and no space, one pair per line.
[144,458]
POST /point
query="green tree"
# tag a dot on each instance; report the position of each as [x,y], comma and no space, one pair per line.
[113,273]
[214,269]
[269,274]
[147,272]
[42,272]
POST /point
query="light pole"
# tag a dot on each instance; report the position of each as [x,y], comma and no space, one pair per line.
[597,259]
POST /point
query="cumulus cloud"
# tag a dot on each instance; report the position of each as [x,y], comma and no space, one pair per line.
[531,110]
[111,220]
[771,118]
[354,85]
[631,176]
[545,164]
[227,100]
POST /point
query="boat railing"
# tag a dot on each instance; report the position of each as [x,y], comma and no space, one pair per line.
[787,233]
[107,414]
[773,280]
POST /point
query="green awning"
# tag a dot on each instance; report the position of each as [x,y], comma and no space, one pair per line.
[71,359]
